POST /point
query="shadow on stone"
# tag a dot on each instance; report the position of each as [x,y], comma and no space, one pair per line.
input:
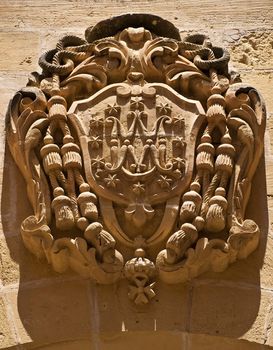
[50,307]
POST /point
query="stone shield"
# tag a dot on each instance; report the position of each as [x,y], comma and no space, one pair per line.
[138,143]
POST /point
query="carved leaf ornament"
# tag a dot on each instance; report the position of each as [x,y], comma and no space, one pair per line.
[138,150]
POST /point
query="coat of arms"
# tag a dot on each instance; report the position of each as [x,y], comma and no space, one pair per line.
[138,149]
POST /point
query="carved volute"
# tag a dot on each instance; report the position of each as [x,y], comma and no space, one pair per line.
[141,147]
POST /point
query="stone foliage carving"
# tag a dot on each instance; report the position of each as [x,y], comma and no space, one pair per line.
[138,150]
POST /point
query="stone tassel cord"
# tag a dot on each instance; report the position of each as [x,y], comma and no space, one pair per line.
[64,169]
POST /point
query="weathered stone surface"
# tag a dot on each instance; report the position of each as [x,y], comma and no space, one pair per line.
[12,200]
[7,337]
[136,340]
[17,15]
[205,342]
[17,265]
[268,327]
[62,308]
[231,22]
[24,56]
[254,50]
[128,317]
[227,306]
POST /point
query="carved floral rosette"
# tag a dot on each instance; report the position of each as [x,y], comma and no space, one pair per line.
[138,150]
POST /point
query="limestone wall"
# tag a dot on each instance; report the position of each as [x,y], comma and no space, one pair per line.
[44,310]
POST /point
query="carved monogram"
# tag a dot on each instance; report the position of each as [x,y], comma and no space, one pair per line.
[141,147]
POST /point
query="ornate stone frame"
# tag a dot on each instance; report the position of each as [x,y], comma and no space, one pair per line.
[138,150]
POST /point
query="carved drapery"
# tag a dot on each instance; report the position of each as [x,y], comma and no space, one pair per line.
[138,150]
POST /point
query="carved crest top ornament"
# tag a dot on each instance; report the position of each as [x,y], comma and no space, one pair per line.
[138,150]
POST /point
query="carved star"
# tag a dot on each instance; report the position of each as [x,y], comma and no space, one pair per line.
[98,162]
[178,119]
[95,141]
[111,181]
[95,121]
[179,141]
[136,103]
[112,110]
[164,181]
[138,188]
[164,109]
[179,163]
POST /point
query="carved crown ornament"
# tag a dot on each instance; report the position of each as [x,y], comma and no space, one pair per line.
[138,150]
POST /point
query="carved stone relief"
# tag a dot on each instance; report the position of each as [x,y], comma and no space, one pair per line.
[138,150]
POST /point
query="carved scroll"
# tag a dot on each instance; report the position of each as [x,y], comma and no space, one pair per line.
[140,147]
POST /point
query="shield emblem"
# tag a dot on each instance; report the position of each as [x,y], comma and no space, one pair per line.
[138,143]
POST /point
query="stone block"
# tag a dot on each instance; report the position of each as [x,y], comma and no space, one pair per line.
[162,341]
[143,340]
[18,264]
[70,345]
[52,312]
[18,16]
[269,326]
[205,342]
[230,311]
[7,337]
[15,206]
[168,311]
[21,50]
[268,150]
[253,50]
